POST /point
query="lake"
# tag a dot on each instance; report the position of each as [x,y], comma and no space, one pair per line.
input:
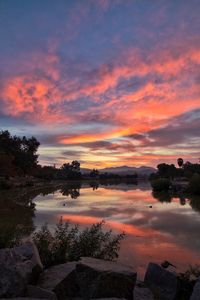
[157,226]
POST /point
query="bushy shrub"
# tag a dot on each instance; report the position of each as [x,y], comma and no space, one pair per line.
[194,184]
[187,281]
[68,243]
[192,273]
[161,184]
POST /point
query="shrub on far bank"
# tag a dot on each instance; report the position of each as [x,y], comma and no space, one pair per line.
[194,184]
[69,243]
[160,184]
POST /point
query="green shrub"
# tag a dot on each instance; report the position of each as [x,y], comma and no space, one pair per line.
[69,243]
[161,184]
[194,184]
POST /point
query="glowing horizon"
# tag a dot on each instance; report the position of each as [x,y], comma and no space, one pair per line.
[107,83]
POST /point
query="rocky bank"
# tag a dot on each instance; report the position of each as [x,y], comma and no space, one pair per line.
[22,276]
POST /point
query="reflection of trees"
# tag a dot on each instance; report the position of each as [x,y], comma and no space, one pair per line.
[17,210]
[182,200]
[162,196]
[73,193]
[72,190]
[17,213]
[94,185]
[16,221]
[195,202]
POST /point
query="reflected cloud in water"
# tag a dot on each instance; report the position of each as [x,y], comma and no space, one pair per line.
[157,226]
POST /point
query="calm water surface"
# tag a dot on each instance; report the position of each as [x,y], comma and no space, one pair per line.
[170,229]
[157,226]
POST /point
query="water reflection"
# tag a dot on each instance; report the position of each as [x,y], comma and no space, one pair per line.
[94,185]
[16,219]
[162,196]
[195,203]
[158,226]
[72,190]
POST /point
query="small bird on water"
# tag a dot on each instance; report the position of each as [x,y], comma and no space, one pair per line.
[165,264]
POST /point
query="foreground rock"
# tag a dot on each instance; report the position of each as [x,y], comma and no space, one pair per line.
[89,279]
[196,291]
[33,291]
[18,267]
[61,280]
[102,279]
[30,252]
[163,283]
[142,293]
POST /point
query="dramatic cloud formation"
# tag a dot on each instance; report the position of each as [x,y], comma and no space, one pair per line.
[104,82]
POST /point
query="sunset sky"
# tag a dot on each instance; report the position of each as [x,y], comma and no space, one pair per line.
[105,82]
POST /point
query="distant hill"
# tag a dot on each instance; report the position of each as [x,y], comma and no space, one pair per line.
[85,171]
[124,170]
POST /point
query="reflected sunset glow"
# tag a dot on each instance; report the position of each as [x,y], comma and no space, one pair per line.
[152,234]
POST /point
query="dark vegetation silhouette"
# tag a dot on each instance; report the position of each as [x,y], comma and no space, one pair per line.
[17,213]
[18,157]
[94,173]
[72,190]
[69,243]
[70,171]
[17,154]
[168,174]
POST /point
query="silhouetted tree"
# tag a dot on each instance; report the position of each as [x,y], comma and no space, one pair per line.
[167,171]
[46,172]
[190,169]
[6,165]
[94,173]
[20,153]
[70,170]
[180,162]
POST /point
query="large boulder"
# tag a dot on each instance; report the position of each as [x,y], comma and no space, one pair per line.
[17,269]
[30,253]
[103,279]
[12,283]
[196,291]
[163,283]
[61,280]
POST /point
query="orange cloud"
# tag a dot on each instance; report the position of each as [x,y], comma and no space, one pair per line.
[44,91]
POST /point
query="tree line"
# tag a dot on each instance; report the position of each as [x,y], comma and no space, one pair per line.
[167,173]
[18,157]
